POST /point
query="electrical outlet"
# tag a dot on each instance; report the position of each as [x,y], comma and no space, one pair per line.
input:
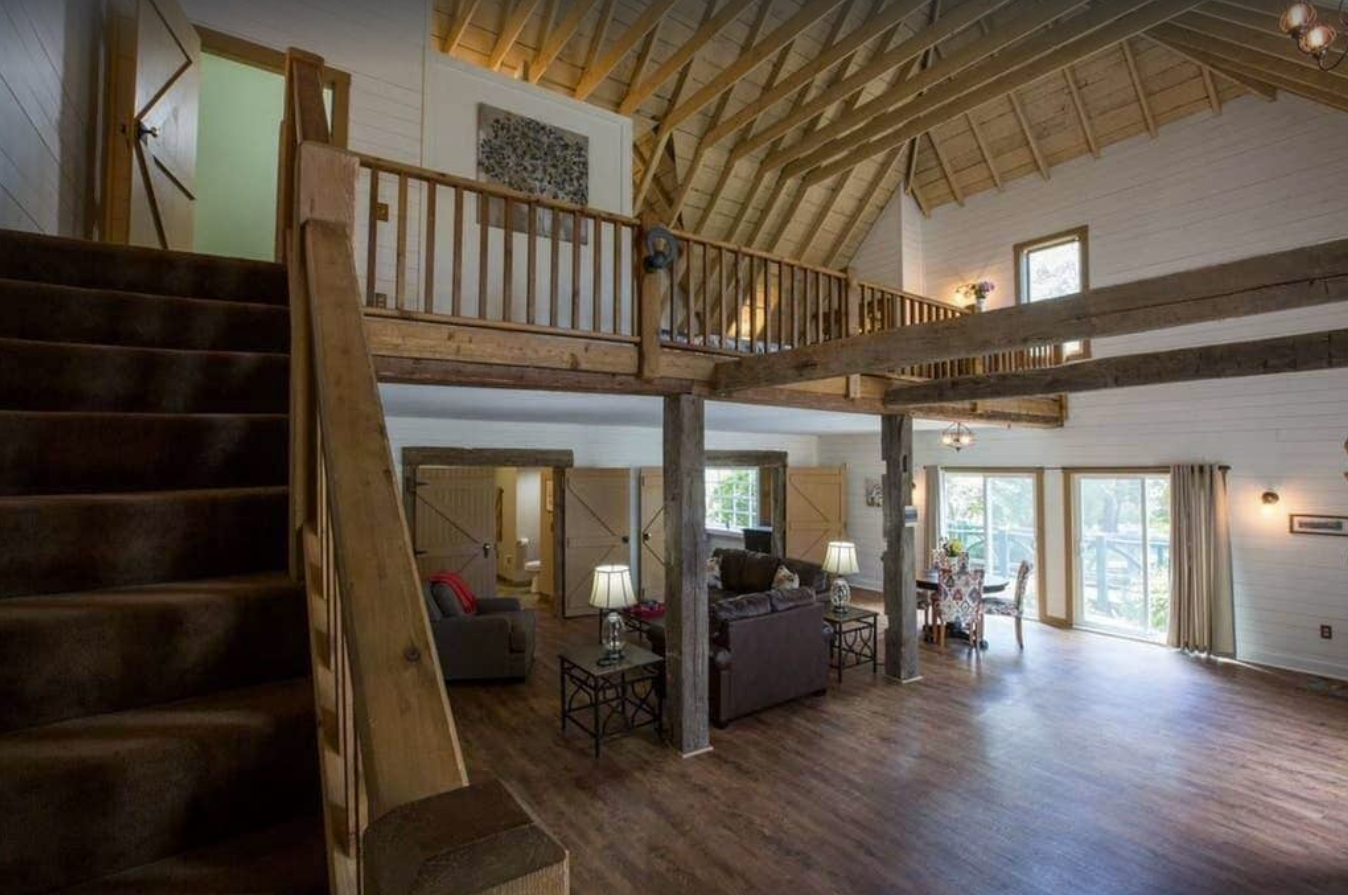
[1326,632]
[381,212]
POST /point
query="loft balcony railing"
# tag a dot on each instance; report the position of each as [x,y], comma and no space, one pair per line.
[439,247]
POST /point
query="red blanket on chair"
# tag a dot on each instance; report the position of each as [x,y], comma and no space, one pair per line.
[454,581]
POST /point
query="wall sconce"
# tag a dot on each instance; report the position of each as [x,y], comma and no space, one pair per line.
[1269,499]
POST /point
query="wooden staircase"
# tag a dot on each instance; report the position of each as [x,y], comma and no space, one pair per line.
[156,716]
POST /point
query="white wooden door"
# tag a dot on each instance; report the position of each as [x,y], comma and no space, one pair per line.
[456,524]
[652,534]
[598,521]
[816,510]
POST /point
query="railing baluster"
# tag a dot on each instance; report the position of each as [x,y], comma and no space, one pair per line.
[577,229]
[706,301]
[400,274]
[617,278]
[724,334]
[554,267]
[531,287]
[597,263]
[484,252]
[428,260]
[456,303]
[508,262]
[372,249]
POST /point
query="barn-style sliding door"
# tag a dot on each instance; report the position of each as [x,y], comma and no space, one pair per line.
[154,75]
[456,524]
[652,534]
[816,510]
[598,525]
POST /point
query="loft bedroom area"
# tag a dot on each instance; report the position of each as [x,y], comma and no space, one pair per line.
[551,445]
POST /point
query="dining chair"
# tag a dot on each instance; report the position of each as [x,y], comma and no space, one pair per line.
[960,600]
[1015,606]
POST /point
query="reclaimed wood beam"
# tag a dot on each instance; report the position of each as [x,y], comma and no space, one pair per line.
[1262,357]
[599,69]
[1259,64]
[944,165]
[1211,20]
[687,623]
[1028,132]
[1083,117]
[505,42]
[710,26]
[1303,277]
[788,31]
[1094,30]
[983,150]
[900,556]
[558,38]
[877,115]
[1139,88]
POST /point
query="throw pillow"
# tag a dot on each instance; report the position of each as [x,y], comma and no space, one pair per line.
[713,571]
[785,579]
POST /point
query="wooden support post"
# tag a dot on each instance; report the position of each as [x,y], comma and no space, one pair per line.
[653,286]
[687,620]
[900,563]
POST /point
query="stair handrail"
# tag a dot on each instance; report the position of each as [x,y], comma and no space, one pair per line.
[397,798]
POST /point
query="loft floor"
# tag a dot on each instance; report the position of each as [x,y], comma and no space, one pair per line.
[1085,764]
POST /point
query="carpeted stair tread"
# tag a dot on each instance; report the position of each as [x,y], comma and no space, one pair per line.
[86,452]
[74,654]
[51,313]
[62,376]
[287,859]
[88,541]
[75,262]
[97,795]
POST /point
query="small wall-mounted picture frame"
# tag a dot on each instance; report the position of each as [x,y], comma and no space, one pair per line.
[1313,524]
[875,495]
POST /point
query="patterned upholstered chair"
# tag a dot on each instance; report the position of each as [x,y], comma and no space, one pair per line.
[960,600]
[1015,605]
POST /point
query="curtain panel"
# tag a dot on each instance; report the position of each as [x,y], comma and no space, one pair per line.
[1202,611]
[931,523]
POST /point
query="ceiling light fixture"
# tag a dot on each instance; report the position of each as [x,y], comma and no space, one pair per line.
[958,436]
[1301,22]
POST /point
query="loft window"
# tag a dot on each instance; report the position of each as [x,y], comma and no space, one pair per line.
[1052,267]
[732,498]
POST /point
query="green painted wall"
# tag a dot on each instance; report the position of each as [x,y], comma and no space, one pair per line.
[238,136]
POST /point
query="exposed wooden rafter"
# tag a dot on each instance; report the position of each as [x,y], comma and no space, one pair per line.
[711,26]
[459,22]
[599,68]
[1139,88]
[519,17]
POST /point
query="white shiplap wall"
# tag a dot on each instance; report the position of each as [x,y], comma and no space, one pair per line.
[1209,189]
[50,59]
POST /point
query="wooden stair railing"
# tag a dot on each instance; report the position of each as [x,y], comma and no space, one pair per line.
[399,811]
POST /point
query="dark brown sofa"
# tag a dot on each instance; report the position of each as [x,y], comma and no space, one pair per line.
[496,643]
[767,646]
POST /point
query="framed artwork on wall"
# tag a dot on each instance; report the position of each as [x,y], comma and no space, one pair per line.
[532,157]
[1313,524]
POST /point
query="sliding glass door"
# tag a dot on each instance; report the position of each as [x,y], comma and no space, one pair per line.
[1121,552]
[996,516]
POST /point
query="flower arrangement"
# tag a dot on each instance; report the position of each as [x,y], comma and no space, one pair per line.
[953,547]
[977,292]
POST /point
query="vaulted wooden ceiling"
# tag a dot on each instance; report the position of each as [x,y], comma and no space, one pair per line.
[788,124]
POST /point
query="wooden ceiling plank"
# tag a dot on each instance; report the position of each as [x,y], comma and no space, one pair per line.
[557,39]
[1297,278]
[514,26]
[1139,88]
[1261,89]
[910,49]
[945,167]
[461,20]
[718,114]
[788,31]
[870,119]
[870,195]
[1089,33]
[683,56]
[1255,62]
[833,54]
[1083,118]
[598,69]
[1288,354]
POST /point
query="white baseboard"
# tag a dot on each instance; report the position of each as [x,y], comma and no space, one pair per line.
[1334,670]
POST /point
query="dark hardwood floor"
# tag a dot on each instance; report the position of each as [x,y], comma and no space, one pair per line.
[1086,764]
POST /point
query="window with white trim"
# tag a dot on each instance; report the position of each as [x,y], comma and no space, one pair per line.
[1050,268]
[732,498]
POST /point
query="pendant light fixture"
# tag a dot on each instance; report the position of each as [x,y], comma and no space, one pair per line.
[958,436]
[1301,21]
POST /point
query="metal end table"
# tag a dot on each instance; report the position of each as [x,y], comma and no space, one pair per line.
[609,701]
[856,638]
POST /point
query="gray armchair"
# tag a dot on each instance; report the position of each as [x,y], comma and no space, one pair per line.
[497,642]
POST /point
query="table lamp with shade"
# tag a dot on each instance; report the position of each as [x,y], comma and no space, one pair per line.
[840,560]
[611,591]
